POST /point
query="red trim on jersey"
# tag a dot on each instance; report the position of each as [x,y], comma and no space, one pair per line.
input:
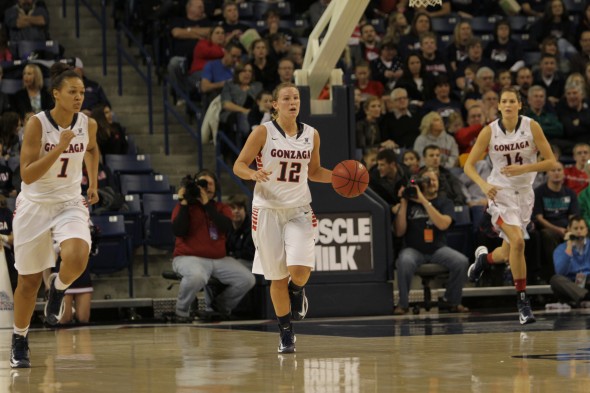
[254,218]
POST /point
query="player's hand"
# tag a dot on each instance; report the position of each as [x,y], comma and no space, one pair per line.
[92,195]
[65,137]
[261,175]
[489,191]
[512,170]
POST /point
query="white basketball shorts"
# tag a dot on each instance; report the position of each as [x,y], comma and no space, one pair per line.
[36,226]
[513,207]
[283,237]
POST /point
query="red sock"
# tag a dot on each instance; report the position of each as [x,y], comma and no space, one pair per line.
[520,284]
[490,258]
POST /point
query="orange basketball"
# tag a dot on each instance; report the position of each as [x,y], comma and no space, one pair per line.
[350,178]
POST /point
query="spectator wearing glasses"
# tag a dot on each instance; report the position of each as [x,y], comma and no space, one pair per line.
[400,127]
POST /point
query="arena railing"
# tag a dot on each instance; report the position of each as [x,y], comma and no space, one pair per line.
[101,18]
[146,76]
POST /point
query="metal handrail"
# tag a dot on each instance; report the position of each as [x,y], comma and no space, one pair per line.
[170,107]
[102,20]
[223,139]
[146,76]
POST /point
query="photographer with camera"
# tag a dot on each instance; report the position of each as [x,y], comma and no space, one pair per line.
[423,219]
[572,264]
[200,225]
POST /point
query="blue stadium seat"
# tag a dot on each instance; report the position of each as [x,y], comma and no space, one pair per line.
[483,24]
[129,164]
[114,248]
[142,184]
[460,235]
[283,7]
[444,25]
[574,6]
[246,10]
[11,86]
[26,47]
[157,212]
[378,24]
[531,58]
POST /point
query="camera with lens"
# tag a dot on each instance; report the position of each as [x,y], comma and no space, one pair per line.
[410,191]
[192,193]
[574,237]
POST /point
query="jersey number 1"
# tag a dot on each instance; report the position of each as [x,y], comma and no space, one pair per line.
[294,170]
[64,167]
[517,159]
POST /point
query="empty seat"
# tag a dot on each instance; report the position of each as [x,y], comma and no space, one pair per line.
[127,163]
[444,25]
[114,248]
[483,24]
[11,86]
[26,47]
[246,10]
[142,184]
[157,212]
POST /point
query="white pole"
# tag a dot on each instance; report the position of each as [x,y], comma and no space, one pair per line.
[6,298]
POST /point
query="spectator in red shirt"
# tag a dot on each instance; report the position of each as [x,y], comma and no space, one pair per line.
[466,136]
[200,225]
[367,86]
[207,49]
[575,177]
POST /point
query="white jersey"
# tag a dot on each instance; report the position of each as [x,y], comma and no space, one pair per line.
[62,181]
[287,158]
[517,147]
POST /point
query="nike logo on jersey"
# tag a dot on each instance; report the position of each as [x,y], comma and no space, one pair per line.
[274,139]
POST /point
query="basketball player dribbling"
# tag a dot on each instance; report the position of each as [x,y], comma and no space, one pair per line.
[512,143]
[50,206]
[287,154]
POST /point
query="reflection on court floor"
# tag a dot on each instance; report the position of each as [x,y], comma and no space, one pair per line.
[426,353]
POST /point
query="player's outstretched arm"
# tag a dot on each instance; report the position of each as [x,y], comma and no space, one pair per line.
[315,171]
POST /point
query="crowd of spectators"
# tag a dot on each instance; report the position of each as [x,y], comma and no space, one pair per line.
[426,81]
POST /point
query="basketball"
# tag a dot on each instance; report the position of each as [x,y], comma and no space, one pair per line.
[350,178]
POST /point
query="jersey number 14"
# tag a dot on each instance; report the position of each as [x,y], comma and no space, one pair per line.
[517,159]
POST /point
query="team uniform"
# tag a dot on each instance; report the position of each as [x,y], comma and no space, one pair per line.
[515,197]
[52,208]
[283,223]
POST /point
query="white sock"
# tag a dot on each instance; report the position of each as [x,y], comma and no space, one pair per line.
[19,331]
[60,286]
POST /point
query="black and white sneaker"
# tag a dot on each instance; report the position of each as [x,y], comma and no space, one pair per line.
[525,314]
[298,304]
[19,353]
[477,268]
[55,306]
[287,340]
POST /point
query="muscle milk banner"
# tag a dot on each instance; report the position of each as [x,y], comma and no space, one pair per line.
[344,242]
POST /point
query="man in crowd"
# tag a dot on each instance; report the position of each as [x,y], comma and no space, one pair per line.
[200,225]
[423,218]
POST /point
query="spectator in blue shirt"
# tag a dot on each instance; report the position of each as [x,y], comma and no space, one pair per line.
[572,264]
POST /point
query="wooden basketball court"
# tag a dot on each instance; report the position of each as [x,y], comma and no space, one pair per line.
[425,353]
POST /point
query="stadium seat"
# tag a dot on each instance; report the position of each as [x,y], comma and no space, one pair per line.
[531,58]
[444,25]
[483,24]
[129,164]
[246,10]
[143,183]
[157,213]
[26,47]
[11,86]
[114,248]
[574,6]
